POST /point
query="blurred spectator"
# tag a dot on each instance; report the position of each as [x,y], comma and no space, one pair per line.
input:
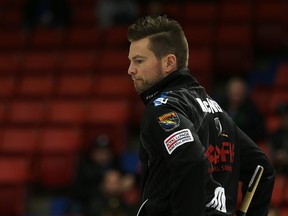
[279,142]
[243,110]
[92,166]
[116,12]
[108,199]
[46,12]
[100,187]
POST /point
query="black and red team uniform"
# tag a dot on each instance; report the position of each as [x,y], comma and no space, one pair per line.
[193,155]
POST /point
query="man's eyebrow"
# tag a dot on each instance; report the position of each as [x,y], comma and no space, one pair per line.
[137,56]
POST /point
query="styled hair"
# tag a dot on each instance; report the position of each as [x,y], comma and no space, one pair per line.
[165,36]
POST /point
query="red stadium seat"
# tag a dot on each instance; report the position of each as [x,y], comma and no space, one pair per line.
[264,146]
[40,62]
[235,12]
[271,37]
[278,190]
[13,179]
[67,112]
[13,171]
[3,2]
[14,4]
[201,65]
[271,32]
[113,62]
[83,37]
[233,61]
[233,54]
[201,60]
[56,163]
[13,40]
[36,85]
[11,18]
[108,112]
[122,86]
[26,112]
[43,38]
[278,97]
[7,86]
[9,62]
[111,116]
[75,85]
[84,16]
[115,37]
[283,211]
[60,140]
[19,142]
[3,111]
[234,35]
[78,61]
[12,199]
[56,171]
[259,95]
[281,79]
[199,35]
[173,10]
[271,11]
[200,13]
[272,122]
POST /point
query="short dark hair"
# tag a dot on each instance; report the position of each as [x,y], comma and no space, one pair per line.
[166,37]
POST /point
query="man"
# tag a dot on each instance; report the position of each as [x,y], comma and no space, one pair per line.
[278,141]
[243,110]
[192,153]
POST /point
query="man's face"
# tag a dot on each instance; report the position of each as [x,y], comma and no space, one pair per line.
[145,69]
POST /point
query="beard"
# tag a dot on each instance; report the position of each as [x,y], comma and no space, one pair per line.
[142,85]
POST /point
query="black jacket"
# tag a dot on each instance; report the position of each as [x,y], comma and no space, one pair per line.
[193,155]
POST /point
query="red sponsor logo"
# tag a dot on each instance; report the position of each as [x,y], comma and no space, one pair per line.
[221,157]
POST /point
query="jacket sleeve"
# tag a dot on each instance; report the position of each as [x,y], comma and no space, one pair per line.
[186,162]
[251,156]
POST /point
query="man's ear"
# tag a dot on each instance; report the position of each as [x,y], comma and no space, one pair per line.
[170,63]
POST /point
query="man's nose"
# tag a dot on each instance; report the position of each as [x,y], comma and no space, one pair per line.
[131,69]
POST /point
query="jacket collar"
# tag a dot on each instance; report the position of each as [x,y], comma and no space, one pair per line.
[171,80]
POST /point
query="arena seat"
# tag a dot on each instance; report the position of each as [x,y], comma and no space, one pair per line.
[76,60]
[13,179]
[235,12]
[26,112]
[40,62]
[43,38]
[87,38]
[7,86]
[41,85]
[75,84]
[281,78]
[66,112]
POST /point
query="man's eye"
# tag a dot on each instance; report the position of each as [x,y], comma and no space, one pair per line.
[138,61]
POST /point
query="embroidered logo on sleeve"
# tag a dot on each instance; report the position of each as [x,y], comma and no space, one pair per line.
[177,139]
[169,121]
[161,100]
[219,200]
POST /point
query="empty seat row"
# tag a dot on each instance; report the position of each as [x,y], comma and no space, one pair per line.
[71,112]
[202,62]
[116,36]
[73,85]
[109,61]
[30,141]
[188,11]
[27,141]
[74,37]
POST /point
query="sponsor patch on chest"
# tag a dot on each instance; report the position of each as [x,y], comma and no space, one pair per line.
[177,139]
